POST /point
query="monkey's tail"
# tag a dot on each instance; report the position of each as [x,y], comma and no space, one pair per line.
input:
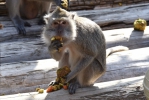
[115,49]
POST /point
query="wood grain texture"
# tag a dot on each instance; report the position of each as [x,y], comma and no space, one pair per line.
[112,18]
[25,76]
[123,89]
[33,48]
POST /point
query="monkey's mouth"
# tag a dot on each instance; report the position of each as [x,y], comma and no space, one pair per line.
[57,38]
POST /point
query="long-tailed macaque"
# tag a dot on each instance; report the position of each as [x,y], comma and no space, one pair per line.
[28,9]
[83,49]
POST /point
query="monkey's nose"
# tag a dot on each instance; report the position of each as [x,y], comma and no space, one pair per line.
[59,32]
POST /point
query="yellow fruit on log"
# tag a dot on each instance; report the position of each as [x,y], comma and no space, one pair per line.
[40,90]
[37,89]
[140,24]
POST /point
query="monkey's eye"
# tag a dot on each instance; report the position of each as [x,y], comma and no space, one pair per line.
[55,23]
[64,22]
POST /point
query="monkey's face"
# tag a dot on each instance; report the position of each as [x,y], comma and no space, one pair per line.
[62,25]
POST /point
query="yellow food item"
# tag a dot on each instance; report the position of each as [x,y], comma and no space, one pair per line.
[65,4]
[58,87]
[60,80]
[60,39]
[140,24]
[65,87]
[40,90]
[37,89]
[56,38]
[61,85]
[55,88]
[50,89]
[62,72]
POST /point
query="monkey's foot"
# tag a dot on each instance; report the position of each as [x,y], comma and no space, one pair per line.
[19,23]
[21,30]
[27,24]
[72,87]
[41,21]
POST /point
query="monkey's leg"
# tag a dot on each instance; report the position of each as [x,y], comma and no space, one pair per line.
[45,9]
[63,62]
[80,65]
[73,85]
[87,77]
[54,49]
[13,9]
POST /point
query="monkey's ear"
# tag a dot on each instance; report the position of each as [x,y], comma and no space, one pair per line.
[46,18]
[72,15]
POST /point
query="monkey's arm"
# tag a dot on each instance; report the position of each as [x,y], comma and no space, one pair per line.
[82,64]
[54,50]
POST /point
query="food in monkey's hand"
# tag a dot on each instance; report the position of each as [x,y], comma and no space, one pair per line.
[62,72]
[60,81]
[140,24]
[58,39]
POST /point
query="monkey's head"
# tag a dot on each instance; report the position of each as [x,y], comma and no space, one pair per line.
[60,23]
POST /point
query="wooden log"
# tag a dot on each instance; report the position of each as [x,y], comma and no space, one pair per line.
[110,16]
[124,89]
[32,48]
[23,50]
[26,76]
[106,18]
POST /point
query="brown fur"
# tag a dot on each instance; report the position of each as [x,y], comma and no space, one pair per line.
[29,9]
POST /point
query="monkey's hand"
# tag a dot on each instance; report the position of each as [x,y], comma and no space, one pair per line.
[72,87]
[55,46]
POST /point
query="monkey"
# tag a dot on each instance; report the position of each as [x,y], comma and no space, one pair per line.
[83,49]
[28,9]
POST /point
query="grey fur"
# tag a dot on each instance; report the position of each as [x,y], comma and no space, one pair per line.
[84,49]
